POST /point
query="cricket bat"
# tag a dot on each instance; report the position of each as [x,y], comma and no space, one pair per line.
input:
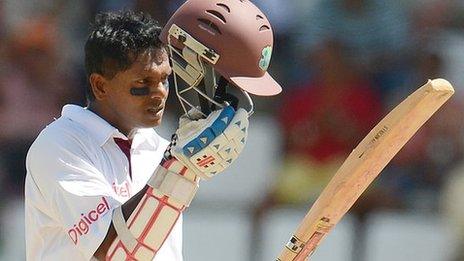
[365,163]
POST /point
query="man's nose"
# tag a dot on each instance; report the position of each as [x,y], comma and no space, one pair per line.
[159,91]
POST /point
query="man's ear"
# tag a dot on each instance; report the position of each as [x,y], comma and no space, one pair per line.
[99,85]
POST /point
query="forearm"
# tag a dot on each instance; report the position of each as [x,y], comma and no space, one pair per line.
[127,209]
[131,204]
[141,225]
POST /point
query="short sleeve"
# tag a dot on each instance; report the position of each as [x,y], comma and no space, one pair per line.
[77,192]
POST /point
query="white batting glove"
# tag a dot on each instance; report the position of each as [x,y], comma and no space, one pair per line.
[208,146]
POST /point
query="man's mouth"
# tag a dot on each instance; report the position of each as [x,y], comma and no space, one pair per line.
[155,110]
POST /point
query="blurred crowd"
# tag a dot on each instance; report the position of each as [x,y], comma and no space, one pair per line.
[343,65]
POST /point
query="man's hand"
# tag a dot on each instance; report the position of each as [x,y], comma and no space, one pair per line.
[208,146]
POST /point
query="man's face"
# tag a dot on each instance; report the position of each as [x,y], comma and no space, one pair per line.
[128,112]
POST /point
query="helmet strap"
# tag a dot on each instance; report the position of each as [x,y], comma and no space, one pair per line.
[222,96]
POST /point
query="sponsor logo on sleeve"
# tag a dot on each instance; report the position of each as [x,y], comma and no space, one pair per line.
[122,190]
[82,227]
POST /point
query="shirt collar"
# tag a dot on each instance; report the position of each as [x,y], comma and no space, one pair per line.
[94,124]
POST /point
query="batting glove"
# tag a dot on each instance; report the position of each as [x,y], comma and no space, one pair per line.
[208,146]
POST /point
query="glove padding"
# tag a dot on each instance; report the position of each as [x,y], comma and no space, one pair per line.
[208,146]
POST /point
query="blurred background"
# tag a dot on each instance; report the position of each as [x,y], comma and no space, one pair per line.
[343,65]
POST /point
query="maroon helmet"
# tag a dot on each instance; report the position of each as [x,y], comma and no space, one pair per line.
[233,37]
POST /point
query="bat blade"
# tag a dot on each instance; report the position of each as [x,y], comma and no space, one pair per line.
[363,165]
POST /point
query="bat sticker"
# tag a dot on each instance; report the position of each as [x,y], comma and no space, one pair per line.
[295,244]
[324,225]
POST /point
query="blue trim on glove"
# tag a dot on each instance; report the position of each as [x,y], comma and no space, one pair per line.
[210,133]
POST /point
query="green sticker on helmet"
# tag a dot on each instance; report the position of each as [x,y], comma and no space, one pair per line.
[265,58]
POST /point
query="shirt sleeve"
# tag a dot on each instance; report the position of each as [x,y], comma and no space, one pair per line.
[74,189]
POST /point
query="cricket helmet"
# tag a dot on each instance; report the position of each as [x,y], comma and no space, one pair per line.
[232,37]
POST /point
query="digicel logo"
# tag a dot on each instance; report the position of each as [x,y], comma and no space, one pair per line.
[82,227]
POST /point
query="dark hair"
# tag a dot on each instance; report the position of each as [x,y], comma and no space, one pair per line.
[116,40]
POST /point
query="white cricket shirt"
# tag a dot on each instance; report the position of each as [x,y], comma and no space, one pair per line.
[76,176]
